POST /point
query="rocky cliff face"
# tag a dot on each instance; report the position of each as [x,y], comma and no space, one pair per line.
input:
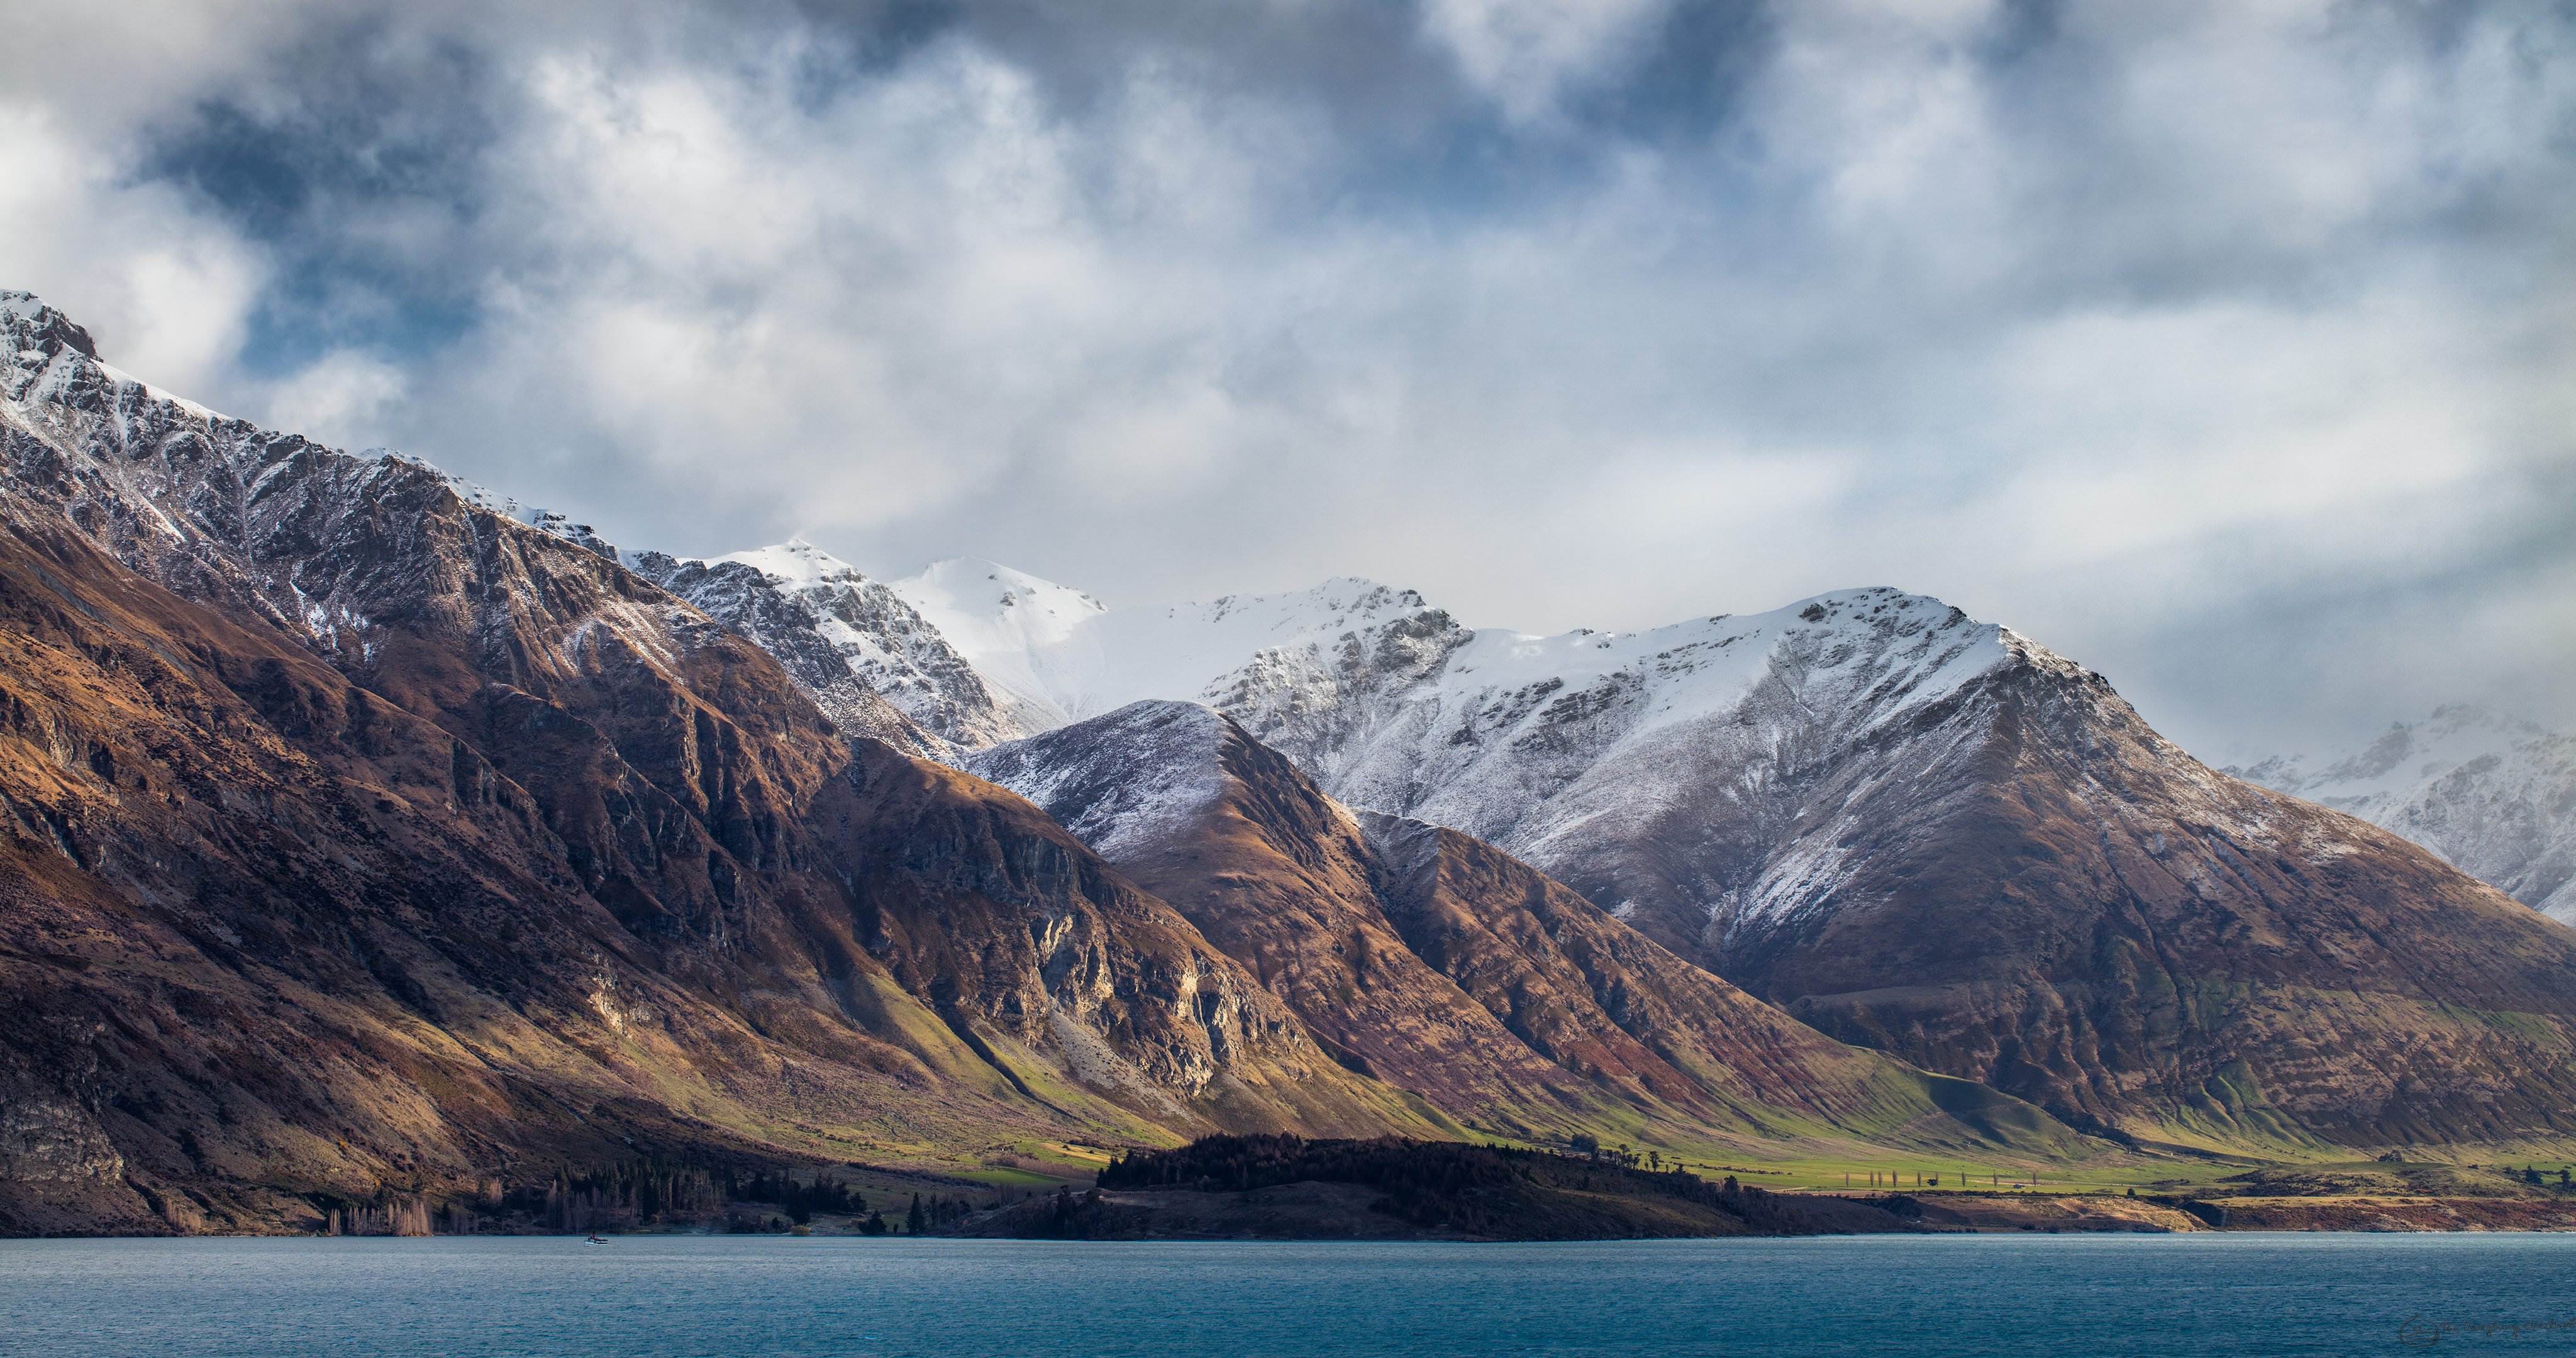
[2069,908]
[1933,837]
[1441,964]
[2493,795]
[363,834]
[851,642]
[1922,833]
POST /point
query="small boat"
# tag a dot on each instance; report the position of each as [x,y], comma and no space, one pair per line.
[595,1240]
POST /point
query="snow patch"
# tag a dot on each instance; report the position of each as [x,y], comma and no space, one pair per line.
[1122,783]
[2490,792]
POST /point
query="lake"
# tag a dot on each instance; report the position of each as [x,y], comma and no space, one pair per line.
[733,1296]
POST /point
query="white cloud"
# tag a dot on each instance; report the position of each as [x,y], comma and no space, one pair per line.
[341,399]
[165,289]
[1525,54]
[2144,334]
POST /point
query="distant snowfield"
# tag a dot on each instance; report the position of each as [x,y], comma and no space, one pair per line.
[1065,649]
[2494,794]
[1567,750]
[1555,746]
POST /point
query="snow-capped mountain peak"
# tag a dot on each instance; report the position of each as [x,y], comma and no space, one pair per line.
[2493,793]
[49,356]
[798,564]
[987,609]
[2370,781]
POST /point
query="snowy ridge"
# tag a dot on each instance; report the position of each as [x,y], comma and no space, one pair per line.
[1584,753]
[2492,793]
[1702,739]
[1512,720]
[798,564]
[1140,776]
[2373,781]
[217,508]
[848,640]
[1072,658]
[1015,629]
[546,521]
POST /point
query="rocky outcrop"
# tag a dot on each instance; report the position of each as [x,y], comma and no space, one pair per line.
[849,641]
[1441,964]
[363,836]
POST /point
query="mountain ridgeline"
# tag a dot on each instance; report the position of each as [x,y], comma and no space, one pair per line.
[1916,832]
[363,832]
[360,835]
[2494,795]
[1504,999]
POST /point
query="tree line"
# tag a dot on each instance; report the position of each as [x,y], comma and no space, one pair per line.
[631,1195]
[1486,1190]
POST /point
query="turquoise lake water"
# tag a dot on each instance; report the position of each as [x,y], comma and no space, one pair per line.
[642,1296]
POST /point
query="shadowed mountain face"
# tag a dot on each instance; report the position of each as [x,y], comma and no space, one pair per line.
[359,836]
[1931,836]
[851,642]
[2065,905]
[1445,966]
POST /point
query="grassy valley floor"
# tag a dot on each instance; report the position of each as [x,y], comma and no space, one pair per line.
[1283,1188]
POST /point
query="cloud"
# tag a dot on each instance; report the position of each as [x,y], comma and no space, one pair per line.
[165,287]
[1522,54]
[340,399]
[2220,345]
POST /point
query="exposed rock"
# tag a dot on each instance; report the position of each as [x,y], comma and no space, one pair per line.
[851,642]
[1438,962]
[1924,834]
[416,841]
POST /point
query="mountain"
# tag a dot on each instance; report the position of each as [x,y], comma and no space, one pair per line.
[1013,626]
[865,657]
[2492,794]
[365,835]
[1454,971]
[1918,832]
[1008,655]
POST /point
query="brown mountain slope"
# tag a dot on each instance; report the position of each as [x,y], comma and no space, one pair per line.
[2066,906]
[1930,835]
[1448,968]
[542,864]
[266,934]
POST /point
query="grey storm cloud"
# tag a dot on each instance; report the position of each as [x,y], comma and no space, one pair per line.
[2225,347]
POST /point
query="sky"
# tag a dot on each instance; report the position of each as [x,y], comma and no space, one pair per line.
[2227,347]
